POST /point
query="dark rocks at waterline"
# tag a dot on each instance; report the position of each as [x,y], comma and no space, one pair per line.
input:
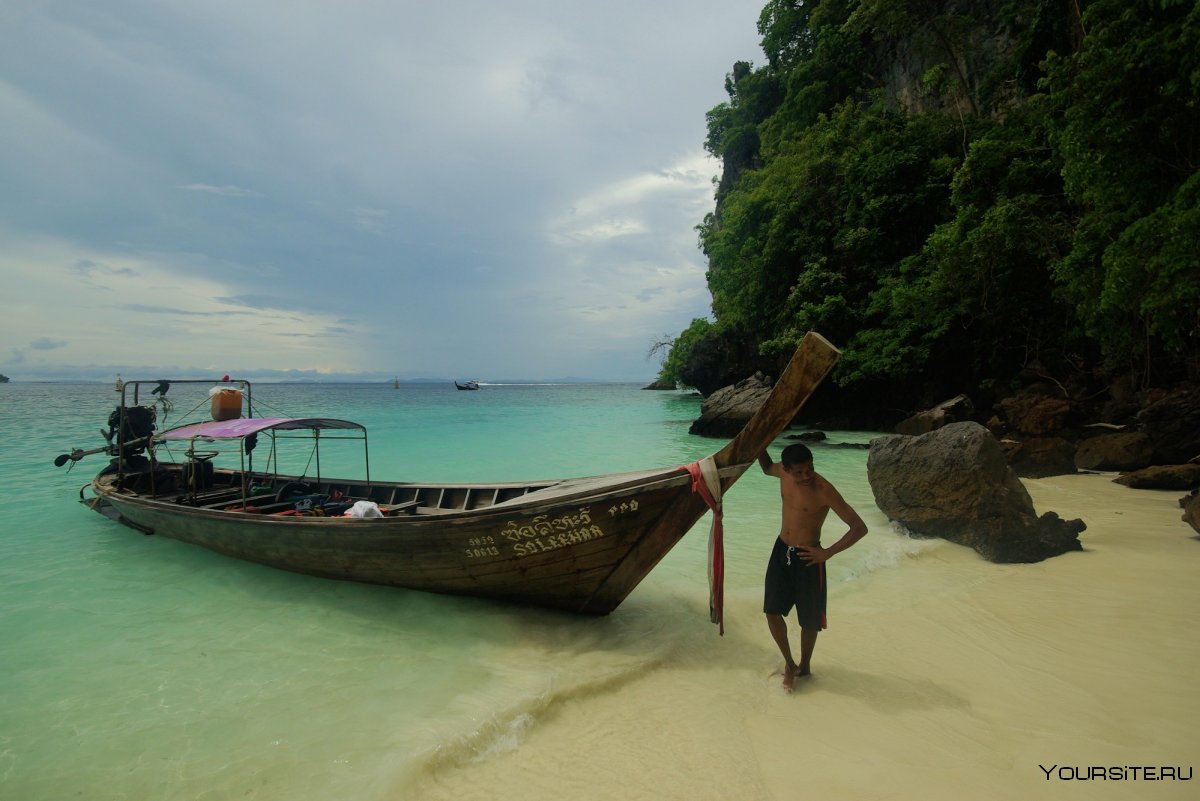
[1164,477]
[821,439]
[1040,457]
[1173,425]
[1125,451]
[1035,415]
[1191,510]
[955,483]
[1161,426]
[661,385]
[725,412]
[955,410]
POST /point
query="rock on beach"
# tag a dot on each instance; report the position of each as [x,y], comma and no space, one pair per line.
[955,483]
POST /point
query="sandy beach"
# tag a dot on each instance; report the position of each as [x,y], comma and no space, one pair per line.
[944,677]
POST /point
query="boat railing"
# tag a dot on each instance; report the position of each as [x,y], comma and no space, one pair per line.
[234,383]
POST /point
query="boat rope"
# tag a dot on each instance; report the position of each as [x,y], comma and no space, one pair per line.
[706,482]
[260,404]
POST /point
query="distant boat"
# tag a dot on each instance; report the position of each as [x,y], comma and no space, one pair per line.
[467,385]
[579,544]
[396,383]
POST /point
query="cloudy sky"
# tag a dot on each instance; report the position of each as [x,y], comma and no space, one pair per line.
[300,189]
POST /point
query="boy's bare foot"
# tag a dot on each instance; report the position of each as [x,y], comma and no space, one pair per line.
[803,671]
[789,677]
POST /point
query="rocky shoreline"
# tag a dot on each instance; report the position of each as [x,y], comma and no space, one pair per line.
[1151,438]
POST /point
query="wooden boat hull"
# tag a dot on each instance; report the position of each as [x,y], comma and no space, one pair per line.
[580,545]
[582,552]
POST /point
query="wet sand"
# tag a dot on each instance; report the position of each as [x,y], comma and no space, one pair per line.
[944,677]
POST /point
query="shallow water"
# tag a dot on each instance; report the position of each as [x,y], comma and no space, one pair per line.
[138,667]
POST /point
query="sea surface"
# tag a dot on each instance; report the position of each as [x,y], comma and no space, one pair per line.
[136,667]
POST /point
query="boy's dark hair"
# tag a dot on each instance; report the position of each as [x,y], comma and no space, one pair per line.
[796,454]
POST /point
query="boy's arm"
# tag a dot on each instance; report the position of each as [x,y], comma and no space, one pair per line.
[769,467]
[858,530]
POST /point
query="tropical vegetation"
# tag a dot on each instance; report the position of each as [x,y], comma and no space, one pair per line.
[958,192]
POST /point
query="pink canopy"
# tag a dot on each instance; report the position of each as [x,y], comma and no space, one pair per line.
[236,429]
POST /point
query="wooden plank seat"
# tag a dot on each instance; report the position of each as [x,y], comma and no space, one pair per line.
[386,508]
[397,508]
[236,500]
[262,504]
[285,507]
[230,499]
[209,497]
[436,510]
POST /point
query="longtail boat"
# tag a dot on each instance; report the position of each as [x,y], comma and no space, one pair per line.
[577,544]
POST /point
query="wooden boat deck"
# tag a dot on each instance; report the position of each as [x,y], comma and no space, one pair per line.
[226,494]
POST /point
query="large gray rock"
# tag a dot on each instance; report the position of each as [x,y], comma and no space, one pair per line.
[725,412]
[955,483]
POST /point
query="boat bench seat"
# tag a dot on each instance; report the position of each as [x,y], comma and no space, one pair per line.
[266,508]
[232,504]
[214,497]
[397,508]
[225,502]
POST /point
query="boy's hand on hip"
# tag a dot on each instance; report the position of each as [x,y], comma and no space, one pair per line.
[814,554]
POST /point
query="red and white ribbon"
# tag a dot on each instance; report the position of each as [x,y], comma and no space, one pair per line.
[706,481]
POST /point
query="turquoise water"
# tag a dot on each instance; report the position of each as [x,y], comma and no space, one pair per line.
[136,667]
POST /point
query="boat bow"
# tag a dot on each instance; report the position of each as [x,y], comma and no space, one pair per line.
[811,362]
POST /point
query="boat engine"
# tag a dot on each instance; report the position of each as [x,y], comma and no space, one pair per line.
[129,428]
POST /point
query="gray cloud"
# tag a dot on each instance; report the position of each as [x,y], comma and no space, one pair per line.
[223,191]
[91,269]
[409,167]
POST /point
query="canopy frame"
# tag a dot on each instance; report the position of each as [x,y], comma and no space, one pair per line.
[240,429]
[247,429]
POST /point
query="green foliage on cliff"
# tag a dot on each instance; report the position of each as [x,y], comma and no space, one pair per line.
[675,365]
[954,190]
[1128,134]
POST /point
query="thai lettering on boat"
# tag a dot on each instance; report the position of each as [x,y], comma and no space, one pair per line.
[556,541]
[543,526]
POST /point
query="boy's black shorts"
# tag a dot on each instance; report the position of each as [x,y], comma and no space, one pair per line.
[790,582]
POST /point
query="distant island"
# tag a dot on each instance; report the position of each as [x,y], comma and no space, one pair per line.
[3,378]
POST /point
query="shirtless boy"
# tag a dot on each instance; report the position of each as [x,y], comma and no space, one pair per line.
[796,571]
